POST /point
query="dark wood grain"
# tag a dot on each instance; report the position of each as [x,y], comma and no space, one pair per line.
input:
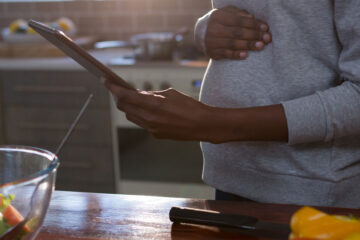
[74,215]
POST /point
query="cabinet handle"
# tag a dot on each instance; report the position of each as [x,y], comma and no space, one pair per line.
[49,89]
[53,126]
[76,165]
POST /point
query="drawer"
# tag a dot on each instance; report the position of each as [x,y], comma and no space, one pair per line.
[39,126]
[86,164]
[85,187]
[52,88]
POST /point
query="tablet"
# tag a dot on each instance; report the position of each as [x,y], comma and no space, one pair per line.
[70,48]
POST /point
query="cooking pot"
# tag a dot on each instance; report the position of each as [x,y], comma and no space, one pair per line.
[156,46]
[151,46]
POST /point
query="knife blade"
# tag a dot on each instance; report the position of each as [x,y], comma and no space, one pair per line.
[213,218]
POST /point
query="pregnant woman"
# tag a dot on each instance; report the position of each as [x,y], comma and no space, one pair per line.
[279,112]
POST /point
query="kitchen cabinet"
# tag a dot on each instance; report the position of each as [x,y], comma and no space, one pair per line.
[38,107]
[41,97]
[2,127]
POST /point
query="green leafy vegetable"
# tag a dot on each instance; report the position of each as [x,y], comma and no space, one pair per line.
[5,201]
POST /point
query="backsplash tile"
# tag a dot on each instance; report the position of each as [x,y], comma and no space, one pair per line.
[134,6]
[104,6]
[19,7]
[75,7]
[111,19]
[195,4]
[39,7]
[2,9]
[150,21]
[114,22]
[89,24]
[164,5]
[4,21]
[178,20]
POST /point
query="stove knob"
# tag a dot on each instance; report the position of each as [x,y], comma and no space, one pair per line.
[164,85]
[147,86]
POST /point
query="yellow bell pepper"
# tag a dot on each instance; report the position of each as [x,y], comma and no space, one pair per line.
[355,236]
[310,223]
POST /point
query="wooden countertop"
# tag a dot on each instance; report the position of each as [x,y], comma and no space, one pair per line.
[74,215]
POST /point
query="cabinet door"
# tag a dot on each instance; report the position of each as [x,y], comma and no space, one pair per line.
[39,108]
[2,124]
[37,126]
[52,88]
[89,168]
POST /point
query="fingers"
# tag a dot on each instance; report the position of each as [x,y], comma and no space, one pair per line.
[122,94]
[136,105]
[227,53]
[233,44]
[170,92]
[238,20]
[126,98]
[235,10]
[232,32]
[136,120]
[217,30]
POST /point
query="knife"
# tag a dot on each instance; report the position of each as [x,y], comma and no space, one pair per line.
[213,218]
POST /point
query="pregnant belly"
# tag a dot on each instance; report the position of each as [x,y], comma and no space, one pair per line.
[237,84]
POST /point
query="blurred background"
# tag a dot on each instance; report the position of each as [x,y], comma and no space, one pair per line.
[110,19]
[149,43]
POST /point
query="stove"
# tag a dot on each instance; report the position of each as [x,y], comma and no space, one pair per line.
[148,166]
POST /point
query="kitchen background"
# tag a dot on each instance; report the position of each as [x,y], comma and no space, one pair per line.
[110,19]
[40,96]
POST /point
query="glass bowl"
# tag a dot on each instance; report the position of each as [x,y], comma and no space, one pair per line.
[27,180]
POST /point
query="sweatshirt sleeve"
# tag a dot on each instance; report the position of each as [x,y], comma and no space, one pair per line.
[200,31]
[334,112]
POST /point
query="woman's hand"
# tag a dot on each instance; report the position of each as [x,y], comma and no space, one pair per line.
[232,32]
[165,114]
[172,115]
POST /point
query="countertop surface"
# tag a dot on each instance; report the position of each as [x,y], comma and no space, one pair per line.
[112,58]
[74,215]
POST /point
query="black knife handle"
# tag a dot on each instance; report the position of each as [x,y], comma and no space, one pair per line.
[211,218]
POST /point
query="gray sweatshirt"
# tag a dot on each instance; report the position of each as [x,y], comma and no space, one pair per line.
[312,68]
